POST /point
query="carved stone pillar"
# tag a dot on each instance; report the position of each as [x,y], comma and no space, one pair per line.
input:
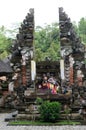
[71,75]
[80,77]
[24,80]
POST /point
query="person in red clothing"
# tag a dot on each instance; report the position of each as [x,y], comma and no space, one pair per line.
[54,90]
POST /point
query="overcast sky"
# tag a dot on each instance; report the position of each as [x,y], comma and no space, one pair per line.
[46,11]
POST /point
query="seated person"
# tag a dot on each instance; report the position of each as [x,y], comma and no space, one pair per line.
[45,81]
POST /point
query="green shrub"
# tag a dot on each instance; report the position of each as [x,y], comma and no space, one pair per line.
[39,101]
[50,111]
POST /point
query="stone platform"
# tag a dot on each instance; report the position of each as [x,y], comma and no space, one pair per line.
[3,126]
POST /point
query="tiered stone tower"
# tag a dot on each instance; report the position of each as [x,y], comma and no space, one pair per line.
[23,51]
[73,56]
[72,50]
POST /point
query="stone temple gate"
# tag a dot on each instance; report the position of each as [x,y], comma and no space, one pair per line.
[71,66]
[47,79]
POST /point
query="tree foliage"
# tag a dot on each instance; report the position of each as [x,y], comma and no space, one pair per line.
[6,38]
[5,42]
[47,42]
[82,29]
[46,39]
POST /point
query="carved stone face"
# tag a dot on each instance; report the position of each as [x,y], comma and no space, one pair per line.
[66,51]
[27,53]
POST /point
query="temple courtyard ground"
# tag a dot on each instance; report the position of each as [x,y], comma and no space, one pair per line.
[3,126]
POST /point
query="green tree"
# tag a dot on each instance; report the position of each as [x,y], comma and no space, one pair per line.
[47,42]
[6,37]
[82,29]
[5,42]
[53,52]
[39,55]
[82,26]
